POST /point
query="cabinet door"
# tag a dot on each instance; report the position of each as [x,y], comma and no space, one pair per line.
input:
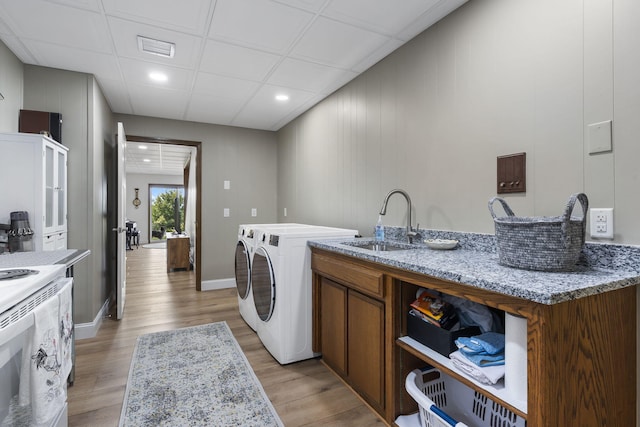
[333,321]
[50,178]
[61,191]
[366,347]
[55,188]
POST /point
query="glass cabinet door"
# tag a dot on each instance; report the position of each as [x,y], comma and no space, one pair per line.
[61,190]
[49,186]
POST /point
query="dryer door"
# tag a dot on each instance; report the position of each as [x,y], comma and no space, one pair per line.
[243,270]
[263,284]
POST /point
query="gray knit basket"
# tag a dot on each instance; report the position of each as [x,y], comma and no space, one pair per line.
[541,243]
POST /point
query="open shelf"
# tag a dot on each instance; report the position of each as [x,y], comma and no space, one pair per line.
[495,392]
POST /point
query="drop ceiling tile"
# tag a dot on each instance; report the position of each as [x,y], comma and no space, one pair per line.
[235,61]
[325,42]
[88,31]
[264,109]
[117,95]
[92,5]
[225,87]
[309,76]
[378,54]
[19,49]
[381,16]
[4,29]
[125,39]
[429,17]
[155,102]
[189,16]
[261,24]
[137,73]
[65,58]
[213,109]
[310,5]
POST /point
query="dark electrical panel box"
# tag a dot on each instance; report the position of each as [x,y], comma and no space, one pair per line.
[41,121]
[512,173]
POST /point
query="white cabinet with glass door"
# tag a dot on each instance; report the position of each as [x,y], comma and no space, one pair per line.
[55,195]
[34,179]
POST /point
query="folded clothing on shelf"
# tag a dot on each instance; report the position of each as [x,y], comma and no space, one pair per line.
[486,374]
[488,343]
[486,349]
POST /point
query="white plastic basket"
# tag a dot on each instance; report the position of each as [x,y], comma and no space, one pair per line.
[446,402]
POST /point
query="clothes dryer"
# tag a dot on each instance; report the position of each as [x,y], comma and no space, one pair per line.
[282,289]
[247,242]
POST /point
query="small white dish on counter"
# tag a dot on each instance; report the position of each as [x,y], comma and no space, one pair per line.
[441,244]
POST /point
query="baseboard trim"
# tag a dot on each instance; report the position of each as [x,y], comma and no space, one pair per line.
[211,285]
[90,330]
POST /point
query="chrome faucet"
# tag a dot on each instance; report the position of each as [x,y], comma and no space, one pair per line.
[383,211]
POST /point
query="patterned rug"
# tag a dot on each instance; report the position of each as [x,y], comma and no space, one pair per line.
[195,376]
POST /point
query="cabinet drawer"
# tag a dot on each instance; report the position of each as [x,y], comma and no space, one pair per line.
[354,276]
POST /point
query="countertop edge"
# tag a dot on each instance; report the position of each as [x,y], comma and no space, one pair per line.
[480,269]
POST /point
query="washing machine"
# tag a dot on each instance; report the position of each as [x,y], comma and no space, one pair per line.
[247,242]
[281,283]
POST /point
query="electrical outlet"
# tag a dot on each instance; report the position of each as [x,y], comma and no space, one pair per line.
[601,223]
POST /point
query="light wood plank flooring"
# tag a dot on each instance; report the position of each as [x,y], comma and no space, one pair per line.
[304,393]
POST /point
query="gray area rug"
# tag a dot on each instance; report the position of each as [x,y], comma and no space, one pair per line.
[195,376]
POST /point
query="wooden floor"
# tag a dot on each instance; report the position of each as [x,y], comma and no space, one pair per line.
[304,393]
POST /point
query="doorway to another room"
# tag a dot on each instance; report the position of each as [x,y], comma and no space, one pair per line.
[165,175]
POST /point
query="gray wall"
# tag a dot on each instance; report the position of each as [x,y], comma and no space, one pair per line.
[247,158]
[11,86]
[494,78]
[86,127]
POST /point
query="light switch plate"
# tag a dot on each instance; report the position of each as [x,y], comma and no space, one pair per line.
[254,212]
[599,137]
[226,212]
[226,185]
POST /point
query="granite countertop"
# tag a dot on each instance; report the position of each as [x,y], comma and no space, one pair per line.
[68,257]
[475,262]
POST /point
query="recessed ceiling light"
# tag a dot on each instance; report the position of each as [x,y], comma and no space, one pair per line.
[142,147]
[282,97]
[158,77]
[156,47]
[146,160]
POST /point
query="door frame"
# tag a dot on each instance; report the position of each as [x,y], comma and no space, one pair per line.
[198,146]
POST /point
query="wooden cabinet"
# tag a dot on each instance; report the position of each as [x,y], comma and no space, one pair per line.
[34,178]
[333,324]
[581,354]
[350,327]
[177,252]
[365,346]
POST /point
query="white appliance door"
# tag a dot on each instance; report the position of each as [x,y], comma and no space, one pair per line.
[263,284]
[121,285]
[243,270]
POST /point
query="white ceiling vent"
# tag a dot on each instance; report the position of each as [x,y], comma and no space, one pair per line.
[156,47]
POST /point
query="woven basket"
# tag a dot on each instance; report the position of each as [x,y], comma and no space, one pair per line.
[541,243]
